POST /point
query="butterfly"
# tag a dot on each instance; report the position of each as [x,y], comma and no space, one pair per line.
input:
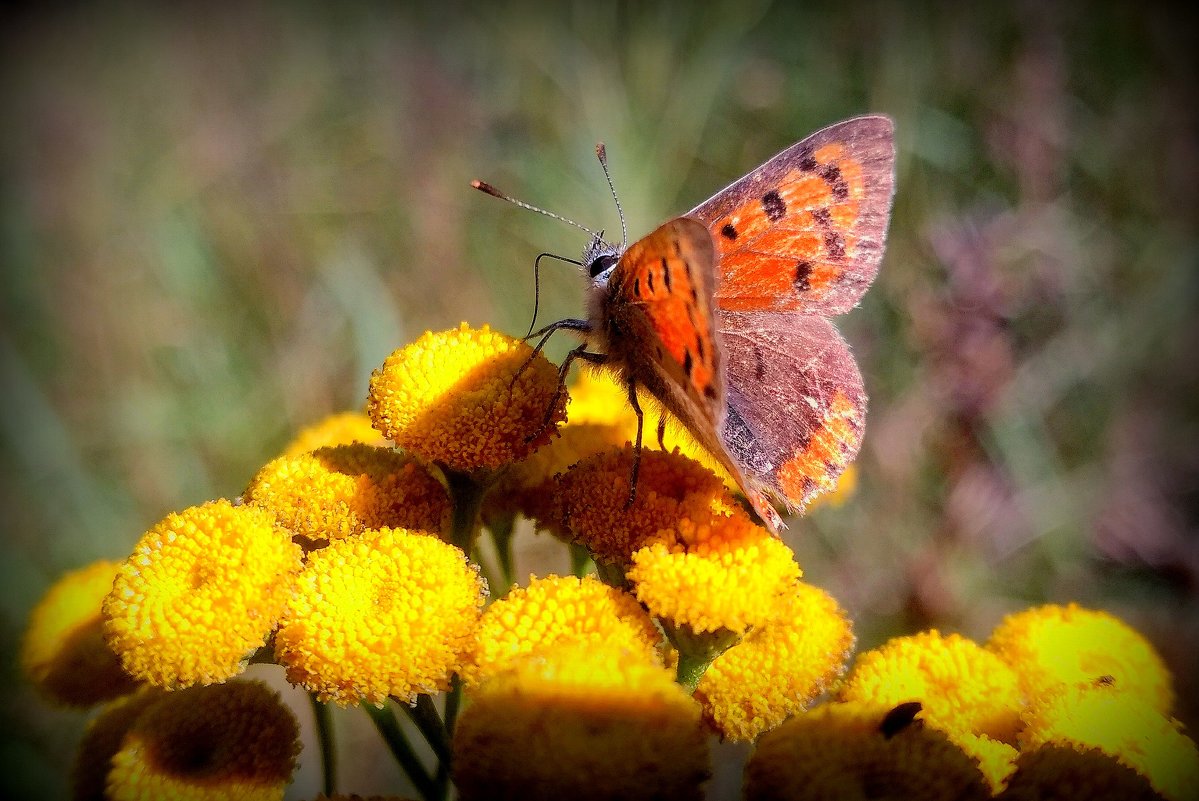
[721,314]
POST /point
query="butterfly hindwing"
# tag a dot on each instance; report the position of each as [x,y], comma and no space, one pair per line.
[804,232]
[796,407]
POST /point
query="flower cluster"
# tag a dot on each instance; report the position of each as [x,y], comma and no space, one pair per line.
[355,563]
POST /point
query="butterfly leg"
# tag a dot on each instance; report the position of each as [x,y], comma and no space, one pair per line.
[636,445]
[569,324]
[580,352]
[662,431]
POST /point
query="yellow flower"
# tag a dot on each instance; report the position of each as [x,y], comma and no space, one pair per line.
[389,612]
[556,611]
[336,429]
[580,722]
[713,569]
[1122,726]
[1054,647]
[102,740]
[1051,772]
[64,653]
[466,399]
[334,492]
[229,742]
[857,750]
[591,499]
[778,669]
[996,760]
[527,487]
[200,593]
[962,687]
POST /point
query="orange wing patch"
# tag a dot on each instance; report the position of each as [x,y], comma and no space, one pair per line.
[814,467]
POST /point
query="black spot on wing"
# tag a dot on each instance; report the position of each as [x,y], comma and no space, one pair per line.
[728,232]
[803,274]
[835,244]
[807,162]
[831,173]
[822,217]
[774,206]
[702,348]
[710,392]
[637,286]
[666,273]
[649,280]
[688,363]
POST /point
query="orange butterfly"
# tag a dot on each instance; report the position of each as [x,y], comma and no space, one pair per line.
[721,314]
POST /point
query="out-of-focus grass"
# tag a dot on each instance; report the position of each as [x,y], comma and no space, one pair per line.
[215,226]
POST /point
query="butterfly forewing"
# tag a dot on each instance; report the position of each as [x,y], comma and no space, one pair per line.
[796,408]
[804,232]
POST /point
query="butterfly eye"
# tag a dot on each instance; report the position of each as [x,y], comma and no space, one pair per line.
[602,264]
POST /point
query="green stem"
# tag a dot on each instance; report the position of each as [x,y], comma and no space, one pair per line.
[466,491]
[453,700]
[324,735]
[385,722]
[424,714]
[690,670]
[611,574]
[696,651]
[580,560]
[501,534]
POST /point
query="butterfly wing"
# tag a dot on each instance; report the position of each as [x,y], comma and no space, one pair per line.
[804,232]
[658,320]
[660,331]
[796,408]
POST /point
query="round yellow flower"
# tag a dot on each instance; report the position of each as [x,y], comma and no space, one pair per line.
[962,687]
[229,742]
[64,653]
[853,751]
[1051,772]
[336,429]
[779,668]
[200,593]
[527,487]
[580,722]
[714,569]
[335,492]
[103,739]
[1122,726]
[556,611]
[591,499]
[466,398]
[1054,647]
[389,612]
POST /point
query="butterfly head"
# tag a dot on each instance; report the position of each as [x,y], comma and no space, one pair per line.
[600,259]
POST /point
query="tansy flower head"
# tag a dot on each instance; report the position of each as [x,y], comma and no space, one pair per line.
[229,742]
[556,611]
[338,491]
[466,398]
[713,569]
[103,739]
[389,612]
[859,750]
[1121,726]
[1054,647]
[527,487]
[201,591]
[963,687]
[779,668]
[64,653]
[995,759]
[1051,772]
[591,498]
[342,428]
[580,722]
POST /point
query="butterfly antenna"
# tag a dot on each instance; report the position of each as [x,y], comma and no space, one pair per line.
[488,189]
[601,152]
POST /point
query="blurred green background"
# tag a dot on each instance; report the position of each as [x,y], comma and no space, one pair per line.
[216,223]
